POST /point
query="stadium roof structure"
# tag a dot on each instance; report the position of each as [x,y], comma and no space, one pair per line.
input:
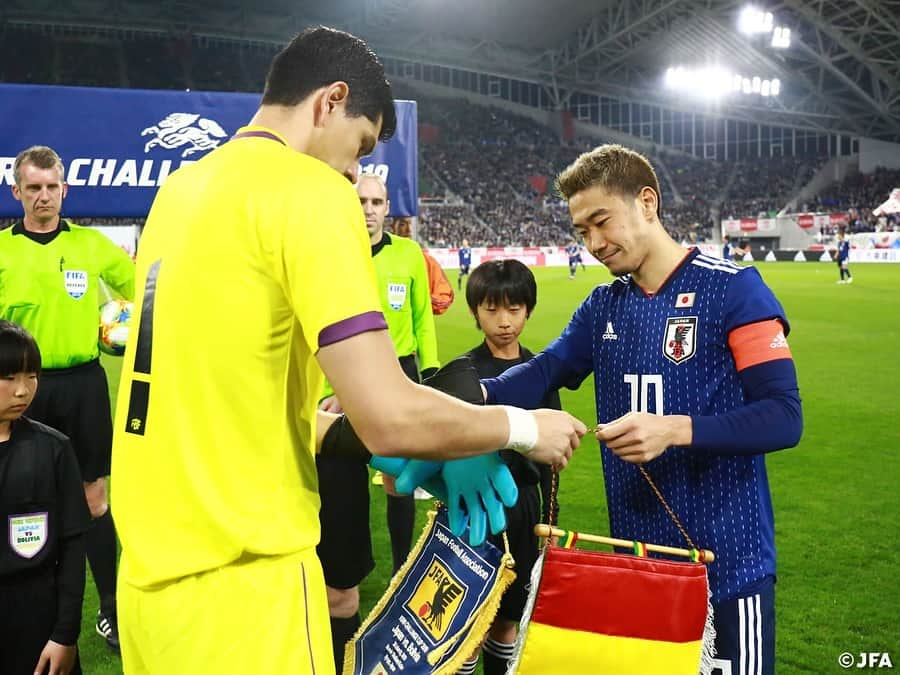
[841,73]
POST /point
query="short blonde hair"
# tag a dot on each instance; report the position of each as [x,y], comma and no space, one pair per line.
[376,178]
[614,168]
[42,157]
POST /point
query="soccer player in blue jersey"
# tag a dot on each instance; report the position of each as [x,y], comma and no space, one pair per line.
[727,248]
[465,262]
[731,251]
[842,257]
[573,250]
[694,380]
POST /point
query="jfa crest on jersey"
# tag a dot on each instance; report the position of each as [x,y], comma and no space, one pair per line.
[680,341]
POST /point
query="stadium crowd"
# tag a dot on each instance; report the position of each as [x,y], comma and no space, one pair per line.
[858,194]
[487,172]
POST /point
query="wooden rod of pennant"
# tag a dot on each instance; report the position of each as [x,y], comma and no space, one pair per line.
[698,555]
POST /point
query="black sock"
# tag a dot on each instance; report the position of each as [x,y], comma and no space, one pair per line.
[495,657]
[342,631]
[100,544]
[401,517]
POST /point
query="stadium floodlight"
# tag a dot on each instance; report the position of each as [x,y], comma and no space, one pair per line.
[753,20]
[781,38]
[675,77]
[714,82]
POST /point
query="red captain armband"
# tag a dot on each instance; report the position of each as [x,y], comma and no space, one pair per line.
[757,343]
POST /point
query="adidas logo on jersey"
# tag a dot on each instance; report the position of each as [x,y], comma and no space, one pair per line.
[779,341]
[609,333]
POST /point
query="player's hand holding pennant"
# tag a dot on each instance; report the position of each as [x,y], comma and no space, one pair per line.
[437,608]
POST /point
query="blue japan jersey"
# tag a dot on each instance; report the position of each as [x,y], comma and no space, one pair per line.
[465,256]
[843,250]
[668,353]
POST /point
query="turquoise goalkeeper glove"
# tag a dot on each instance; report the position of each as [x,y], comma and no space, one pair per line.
[475,489]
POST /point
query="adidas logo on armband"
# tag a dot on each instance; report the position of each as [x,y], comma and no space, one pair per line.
[779,341]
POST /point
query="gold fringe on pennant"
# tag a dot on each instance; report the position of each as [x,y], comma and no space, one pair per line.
[477,626]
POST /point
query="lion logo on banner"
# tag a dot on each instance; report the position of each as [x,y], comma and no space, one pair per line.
[179,129]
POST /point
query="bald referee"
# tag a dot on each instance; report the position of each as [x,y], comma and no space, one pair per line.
[241,307]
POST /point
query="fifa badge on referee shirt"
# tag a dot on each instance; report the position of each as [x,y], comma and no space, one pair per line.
[396,295]
[76,282]
[680,340]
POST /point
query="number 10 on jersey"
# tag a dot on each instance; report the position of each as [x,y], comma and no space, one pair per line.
[641,386]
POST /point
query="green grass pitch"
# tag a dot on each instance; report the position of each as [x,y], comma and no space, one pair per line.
[836,496]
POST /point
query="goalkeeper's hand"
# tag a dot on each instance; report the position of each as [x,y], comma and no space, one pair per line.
[459,379]
[475,489]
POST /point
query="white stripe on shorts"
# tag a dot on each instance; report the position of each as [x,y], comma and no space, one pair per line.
[750,626]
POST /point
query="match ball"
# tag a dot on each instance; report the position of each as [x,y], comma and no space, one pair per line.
[115,320]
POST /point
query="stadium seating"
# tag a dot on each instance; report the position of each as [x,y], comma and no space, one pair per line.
[487,173]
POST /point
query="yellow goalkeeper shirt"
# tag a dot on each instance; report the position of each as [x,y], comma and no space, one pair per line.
[237,288]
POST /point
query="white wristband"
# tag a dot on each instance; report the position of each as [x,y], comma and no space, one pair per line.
[523,430]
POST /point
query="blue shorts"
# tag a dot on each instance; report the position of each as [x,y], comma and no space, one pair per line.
[745,632]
